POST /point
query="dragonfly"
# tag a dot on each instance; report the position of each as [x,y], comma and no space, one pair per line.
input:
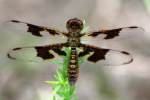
[74,35]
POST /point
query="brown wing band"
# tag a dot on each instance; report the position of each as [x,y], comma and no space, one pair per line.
[44,51]
[98,54]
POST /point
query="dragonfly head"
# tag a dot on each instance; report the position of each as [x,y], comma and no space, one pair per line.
[74,25]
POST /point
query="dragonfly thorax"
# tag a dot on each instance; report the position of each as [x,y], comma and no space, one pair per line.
[73,40]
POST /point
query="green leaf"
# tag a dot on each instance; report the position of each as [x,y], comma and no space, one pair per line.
[52,82]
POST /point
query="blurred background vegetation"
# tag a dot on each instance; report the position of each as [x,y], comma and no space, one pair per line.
[25,80]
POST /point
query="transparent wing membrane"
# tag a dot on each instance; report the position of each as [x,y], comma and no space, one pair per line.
[106,57]
[37,53]
[110,35]
[24,54]
[35,30]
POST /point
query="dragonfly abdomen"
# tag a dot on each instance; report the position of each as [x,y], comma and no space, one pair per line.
[73,69]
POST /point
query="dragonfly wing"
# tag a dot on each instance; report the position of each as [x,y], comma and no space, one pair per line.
[107,57]
[112,33]
[37,30]
[37,53]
